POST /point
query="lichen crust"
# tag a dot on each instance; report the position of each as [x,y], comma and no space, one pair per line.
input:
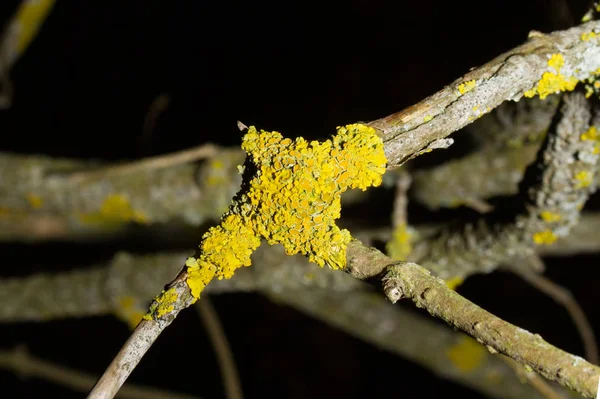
[292,199]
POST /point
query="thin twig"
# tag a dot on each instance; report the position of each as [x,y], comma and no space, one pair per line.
[20,31]
[409,280]
[162,161]
[156,109]
[565,298]
[127,359]
[210,319]
[141,340]
[399,215]
[21,362]
[533,379]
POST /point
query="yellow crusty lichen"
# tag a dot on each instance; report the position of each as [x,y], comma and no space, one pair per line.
[400,246]
[553,82]
[129,311]
[454,282]
[466,87]
[584,178]
[467,354]
[544,237]
[550,217]
[35,201]
[589,36]
[162,304]
[592,135]
[115,209]
[293,199]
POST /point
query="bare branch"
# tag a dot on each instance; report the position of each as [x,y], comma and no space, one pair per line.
[148,164]
[564,297]
[210,319]
[448,354]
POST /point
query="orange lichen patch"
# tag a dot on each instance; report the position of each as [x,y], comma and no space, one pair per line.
[35,201]
[466,87]
[550,217]
[400,246]
[584,178]
[293,199]
[115,209]
[129,311]
[454,282]
[553,81]
[162,305]
[467,354]
[544,237]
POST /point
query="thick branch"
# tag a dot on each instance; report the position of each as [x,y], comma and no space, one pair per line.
[449,354]
[414,282]
[552,195]
[409,280]
[506,77]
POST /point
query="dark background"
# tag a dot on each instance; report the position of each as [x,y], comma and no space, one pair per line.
[83,89]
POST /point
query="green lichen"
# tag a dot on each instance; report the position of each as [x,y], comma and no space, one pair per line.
[293,199]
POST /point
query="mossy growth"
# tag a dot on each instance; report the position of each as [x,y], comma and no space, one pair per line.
[290,196]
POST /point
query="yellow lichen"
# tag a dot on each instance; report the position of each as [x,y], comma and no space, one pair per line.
[454,282]
[293,199]
[466,87]
[553,81]
[550,217]
[467,354]
[400,246]
[129,311]
[589,36]
[35,201]
[584,178]
[427,118]
[590,134]
[544,237]
[162,305]
[115,209]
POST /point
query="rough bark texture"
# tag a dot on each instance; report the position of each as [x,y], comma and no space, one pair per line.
[507,77]
[551,197]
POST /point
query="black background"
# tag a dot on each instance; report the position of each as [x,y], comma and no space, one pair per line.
[83,89]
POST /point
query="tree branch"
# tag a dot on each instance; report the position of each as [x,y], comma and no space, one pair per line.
[506,77]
